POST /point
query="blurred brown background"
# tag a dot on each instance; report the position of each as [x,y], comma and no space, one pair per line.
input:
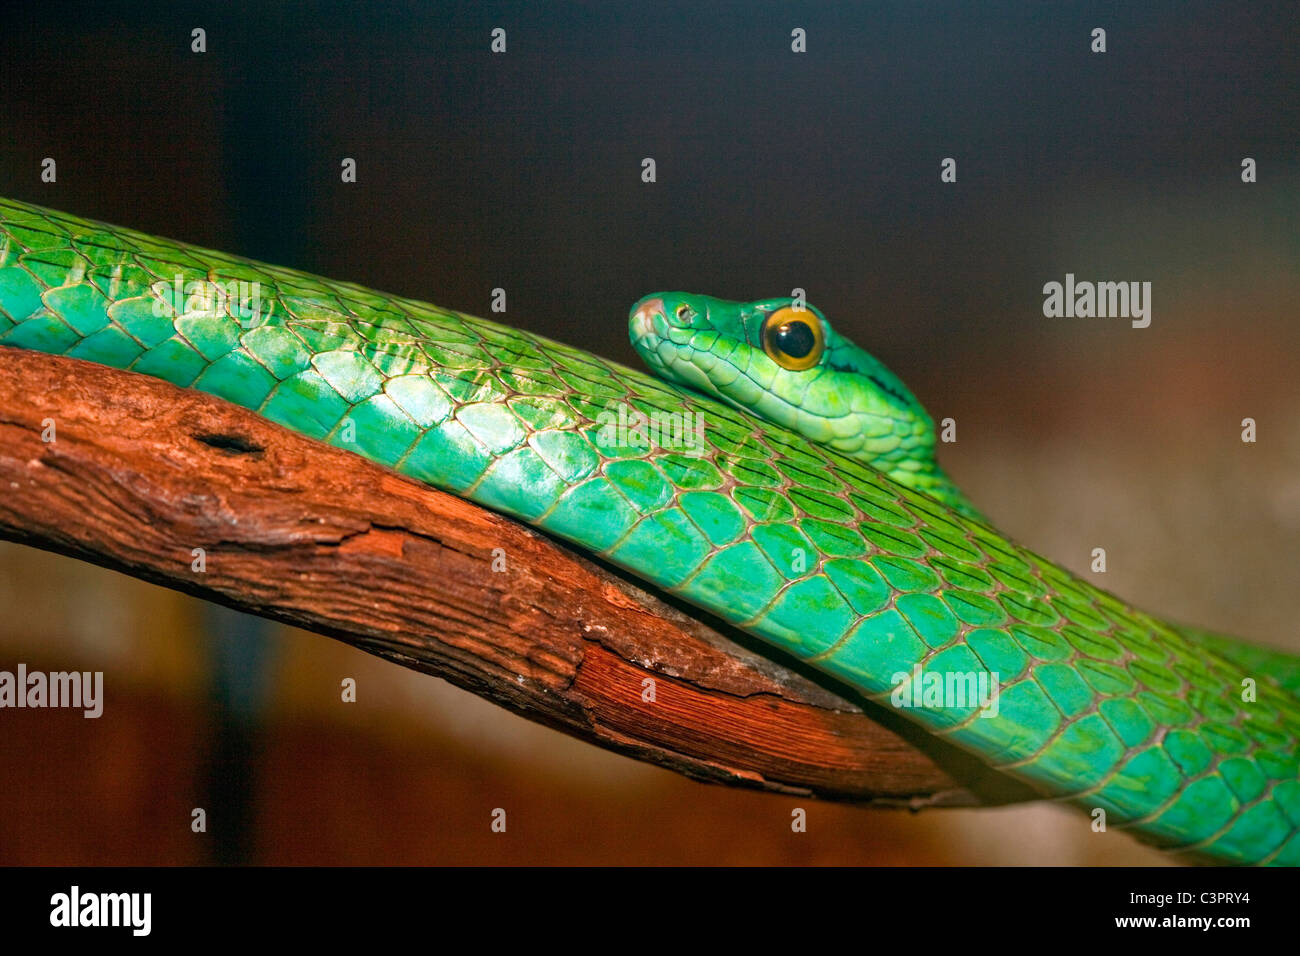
[775,170]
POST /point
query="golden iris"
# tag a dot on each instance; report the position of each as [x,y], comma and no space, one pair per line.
[793,338]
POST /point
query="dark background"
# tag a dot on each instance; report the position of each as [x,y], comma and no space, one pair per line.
[775,170]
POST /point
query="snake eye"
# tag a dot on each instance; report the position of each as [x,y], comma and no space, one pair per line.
[793,339]
[685,313]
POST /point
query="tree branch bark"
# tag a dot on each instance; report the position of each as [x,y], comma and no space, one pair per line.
[142,473]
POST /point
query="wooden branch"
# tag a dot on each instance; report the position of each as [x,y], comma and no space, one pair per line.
[142,473]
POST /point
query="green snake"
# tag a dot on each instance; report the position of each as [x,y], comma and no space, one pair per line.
[774,474]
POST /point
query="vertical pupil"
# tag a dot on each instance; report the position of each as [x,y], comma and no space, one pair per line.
[795,339]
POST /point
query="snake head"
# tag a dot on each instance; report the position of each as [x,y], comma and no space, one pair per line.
[769,357]
[781,360]
[700,339]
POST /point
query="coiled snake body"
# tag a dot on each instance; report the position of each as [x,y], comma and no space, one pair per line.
[797,497]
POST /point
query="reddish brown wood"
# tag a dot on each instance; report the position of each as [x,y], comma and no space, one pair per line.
[142,473]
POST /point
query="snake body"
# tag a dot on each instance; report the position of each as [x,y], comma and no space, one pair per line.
[824,528]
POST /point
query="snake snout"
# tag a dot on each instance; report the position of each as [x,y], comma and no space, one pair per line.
[644,316]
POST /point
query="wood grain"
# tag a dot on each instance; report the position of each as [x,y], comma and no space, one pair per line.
[141,473]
